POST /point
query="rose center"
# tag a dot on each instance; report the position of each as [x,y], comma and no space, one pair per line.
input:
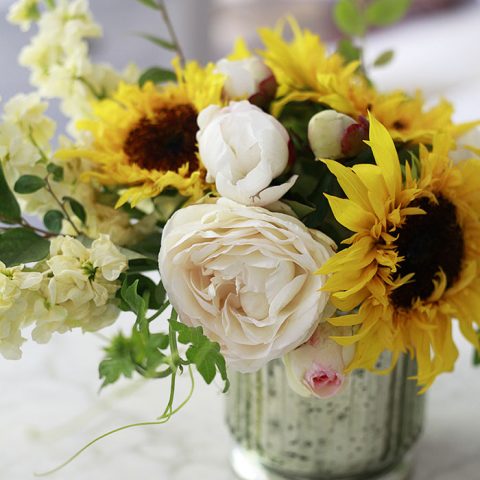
[165,142]
[429,243]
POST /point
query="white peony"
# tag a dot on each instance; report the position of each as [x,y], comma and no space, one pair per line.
[247,276]
[316,368]
[243,150]
[16,286]
[325,133]
[243,77]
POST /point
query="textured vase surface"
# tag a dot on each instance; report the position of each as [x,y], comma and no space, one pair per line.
[365,433]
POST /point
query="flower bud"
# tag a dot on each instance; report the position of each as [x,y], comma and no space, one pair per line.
[245,77]
[316,368]
[326,131]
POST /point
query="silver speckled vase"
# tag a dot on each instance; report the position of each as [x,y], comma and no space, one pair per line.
[365,433]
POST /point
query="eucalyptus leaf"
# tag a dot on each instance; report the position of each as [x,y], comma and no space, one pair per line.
[22,245]
[53,220]
[349,18]
[9,208]
[156,75]
[29,184]
[77,208]
[150,3]
[348,50]
[158,41]
[381,13]
[384,58]
[56,171]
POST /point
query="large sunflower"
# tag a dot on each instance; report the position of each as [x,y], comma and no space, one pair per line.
[413,261]
[144,138]
[306,71]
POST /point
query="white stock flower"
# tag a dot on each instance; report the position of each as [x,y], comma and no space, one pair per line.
[243,77]
[243,150]
[23,13]
[325,133]
[16,286]
[247,276]
[80,288]
[316,368]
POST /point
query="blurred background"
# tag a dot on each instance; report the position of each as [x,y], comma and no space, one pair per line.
[50,404]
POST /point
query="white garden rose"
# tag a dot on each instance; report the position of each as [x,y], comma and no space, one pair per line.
[325,133]
[247,276]
[243,77]
[243,150]
[316,368]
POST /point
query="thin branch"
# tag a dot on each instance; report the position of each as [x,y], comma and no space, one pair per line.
[171,31]
[61,204]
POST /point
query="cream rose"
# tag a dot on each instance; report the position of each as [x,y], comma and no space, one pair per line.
[247,276]
[243,150]
[316,368]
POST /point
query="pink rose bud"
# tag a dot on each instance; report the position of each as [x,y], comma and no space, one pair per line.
[316,368]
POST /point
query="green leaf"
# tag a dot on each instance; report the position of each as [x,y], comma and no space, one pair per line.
[9,208]
[149,246]
[349,18]
[202,352]
[300,209]
[53,220]
[118,361]
[21,245]
[381,13]
[349,51]
[158,41]
[150,3]
[476,358]
[384,58]
[129,294]
[29,184]
[56,171]
[77,208]
[156,75]
[144,284]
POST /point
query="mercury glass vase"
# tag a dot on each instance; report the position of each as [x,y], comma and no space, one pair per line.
[365,433]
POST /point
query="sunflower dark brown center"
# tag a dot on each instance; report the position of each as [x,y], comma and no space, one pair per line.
[166,141]
[429,243]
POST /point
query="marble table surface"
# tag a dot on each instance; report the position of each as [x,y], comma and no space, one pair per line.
[50,403]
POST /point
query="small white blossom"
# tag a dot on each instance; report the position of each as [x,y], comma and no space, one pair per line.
[16,286]
[23,13]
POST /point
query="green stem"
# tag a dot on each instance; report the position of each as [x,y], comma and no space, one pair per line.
[171,31]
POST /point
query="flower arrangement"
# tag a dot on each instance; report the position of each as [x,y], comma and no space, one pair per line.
[292,209]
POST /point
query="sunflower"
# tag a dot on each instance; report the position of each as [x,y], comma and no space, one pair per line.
[305,71]
[144,138]
[412,264]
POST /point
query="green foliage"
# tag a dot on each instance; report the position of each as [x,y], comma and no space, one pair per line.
[202,352]
[156,75]
[22,245]
[158,41]
[384,58]
[29,184]
[140,285]
[77,208]
[150,3]
[149,246]
[349,51]
[349,18]
[301,210]
[381,13]
[9,208]
[53,220]
[56,171]
[117,362]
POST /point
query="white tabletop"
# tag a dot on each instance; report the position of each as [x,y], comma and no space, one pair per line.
[50,405]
